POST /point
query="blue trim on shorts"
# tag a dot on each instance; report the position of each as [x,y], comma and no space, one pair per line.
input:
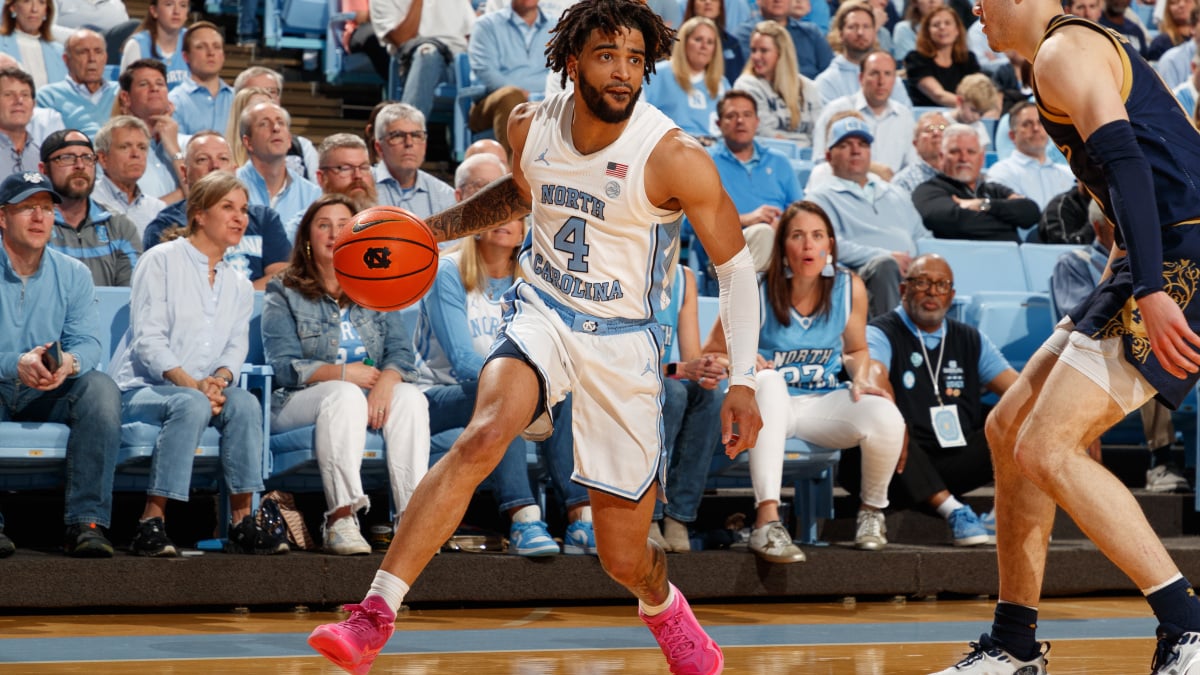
[593,325]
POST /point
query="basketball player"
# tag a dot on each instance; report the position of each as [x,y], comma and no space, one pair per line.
[1135,151]
[605,178]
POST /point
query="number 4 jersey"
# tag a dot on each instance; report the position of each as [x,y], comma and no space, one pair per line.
[600,247]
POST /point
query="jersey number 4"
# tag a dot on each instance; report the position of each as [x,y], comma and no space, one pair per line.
[571,239]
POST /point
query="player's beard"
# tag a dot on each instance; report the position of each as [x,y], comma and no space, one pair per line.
[593,98]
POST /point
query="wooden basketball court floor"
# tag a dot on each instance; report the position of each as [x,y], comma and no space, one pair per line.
[1093,636]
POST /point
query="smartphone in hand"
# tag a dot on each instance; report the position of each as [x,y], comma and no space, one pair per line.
[52,358]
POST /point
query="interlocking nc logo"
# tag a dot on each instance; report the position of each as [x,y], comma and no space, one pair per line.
[377,258]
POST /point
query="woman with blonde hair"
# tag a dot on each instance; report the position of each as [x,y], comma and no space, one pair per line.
[189,333]
[160,36]
[25,36]
[940,61]
[686,87]
[731,49]
[1173,29]
[788,102]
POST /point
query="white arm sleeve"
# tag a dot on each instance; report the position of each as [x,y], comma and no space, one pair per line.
[739,316]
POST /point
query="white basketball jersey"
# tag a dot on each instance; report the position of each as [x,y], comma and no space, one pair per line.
[600,248]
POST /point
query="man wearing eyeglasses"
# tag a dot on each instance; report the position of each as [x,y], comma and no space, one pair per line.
[21,131]
[937,369]
[107,244]
[345,168]
[47,303]
[400,139]
[927,141]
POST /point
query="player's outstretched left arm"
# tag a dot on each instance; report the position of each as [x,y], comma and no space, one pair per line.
[680,174]
[501,201]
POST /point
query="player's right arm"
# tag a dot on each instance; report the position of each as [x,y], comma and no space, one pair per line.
[1082,75]
[503,200]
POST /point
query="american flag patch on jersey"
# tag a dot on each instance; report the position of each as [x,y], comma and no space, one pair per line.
[616,170]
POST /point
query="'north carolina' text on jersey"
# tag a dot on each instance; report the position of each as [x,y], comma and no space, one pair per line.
[599,246]
[807,351]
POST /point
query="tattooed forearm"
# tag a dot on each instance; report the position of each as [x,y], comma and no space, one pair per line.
[498,203]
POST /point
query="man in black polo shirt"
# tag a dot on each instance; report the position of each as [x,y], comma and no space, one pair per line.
[947,451]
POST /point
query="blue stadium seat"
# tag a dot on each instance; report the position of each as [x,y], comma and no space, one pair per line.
[788,148]
[1016,322]
[295,24]
[340,66]
[1039,261]
[979,265]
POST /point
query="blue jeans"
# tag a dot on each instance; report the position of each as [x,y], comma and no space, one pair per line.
[692,429]
[247,26]
[91,406]
[427,71]
[559,451]
[450,407]
[183,414]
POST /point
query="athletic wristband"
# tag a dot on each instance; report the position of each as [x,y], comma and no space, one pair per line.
[1131,195]
[738,307]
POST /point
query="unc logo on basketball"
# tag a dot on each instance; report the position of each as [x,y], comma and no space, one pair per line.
[377,258]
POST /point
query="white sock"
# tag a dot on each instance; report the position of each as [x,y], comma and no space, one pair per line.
[949,506]
[585,514]
[1159,587]
[527,514]
[659,609]
[389,587]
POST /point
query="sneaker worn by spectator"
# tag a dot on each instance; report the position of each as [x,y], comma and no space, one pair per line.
[1166,478]
[248,537]
[580,538]
[689,650]
[151,540]
[987,657]
[1177,653]
[86,540]
[966,528]
[353,644]
[988,521]
[7,547]
[773,543]
[676,535]
[656,535]
[344,537]
[871,532]
[531,540]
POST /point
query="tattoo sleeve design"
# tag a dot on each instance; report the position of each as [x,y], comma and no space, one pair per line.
[498,203]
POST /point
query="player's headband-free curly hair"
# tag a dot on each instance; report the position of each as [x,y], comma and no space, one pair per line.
[608,17]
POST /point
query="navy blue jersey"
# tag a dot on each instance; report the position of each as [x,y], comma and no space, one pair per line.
[1171,145]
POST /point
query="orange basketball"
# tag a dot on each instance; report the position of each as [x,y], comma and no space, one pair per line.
[385,258]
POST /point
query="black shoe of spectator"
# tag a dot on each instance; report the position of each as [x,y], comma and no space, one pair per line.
[248,537]
[151,540]
[87,540]
[7,547]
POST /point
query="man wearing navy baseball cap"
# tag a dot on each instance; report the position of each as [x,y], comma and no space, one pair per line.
[48,358]
[108,244]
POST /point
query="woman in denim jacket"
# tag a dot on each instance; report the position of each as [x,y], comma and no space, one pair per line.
[346,369]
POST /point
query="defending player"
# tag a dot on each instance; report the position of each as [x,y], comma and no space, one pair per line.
[1137,153]
[604,176]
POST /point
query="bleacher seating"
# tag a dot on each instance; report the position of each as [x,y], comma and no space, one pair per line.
[979,265]
[1039,261]
[295,24]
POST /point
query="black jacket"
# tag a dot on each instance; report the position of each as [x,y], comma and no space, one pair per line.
[934,200]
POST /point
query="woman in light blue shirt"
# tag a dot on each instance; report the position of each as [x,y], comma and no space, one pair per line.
[189,323]
[160,36]
[25,35]
[686,88]
[345,369]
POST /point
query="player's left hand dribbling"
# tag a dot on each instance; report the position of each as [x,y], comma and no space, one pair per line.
[1171,339]
[739,408]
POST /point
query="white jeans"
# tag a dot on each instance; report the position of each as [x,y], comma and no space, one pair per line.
[831,420]
[339,409]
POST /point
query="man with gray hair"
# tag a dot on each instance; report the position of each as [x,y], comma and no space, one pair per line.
[958,204]
[345,168]
[122,146]
[264,130]
[400,138]
[302,156]
[85,99]
[927,142]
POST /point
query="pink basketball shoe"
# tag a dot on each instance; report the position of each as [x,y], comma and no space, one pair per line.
[689,650]
[353,644]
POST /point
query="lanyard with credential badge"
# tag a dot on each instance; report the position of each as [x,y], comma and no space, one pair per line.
[943,417]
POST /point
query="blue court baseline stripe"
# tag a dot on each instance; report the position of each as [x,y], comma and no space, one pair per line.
[281,645]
